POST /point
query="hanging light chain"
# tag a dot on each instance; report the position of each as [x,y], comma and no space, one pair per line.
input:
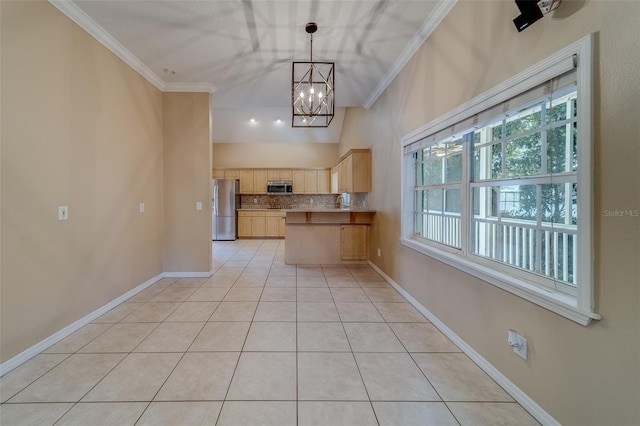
[309,100]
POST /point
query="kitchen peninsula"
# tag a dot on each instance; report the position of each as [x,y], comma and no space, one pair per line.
[327,236]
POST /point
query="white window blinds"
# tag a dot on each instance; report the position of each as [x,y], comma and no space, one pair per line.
[551,80]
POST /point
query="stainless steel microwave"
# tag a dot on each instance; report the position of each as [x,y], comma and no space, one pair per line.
[279,187]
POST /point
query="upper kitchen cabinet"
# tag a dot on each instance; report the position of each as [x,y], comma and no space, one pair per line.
[277,174]
[324,182]
[225,174]
[259,181]
[254,181]
[231,174]
[246,181]
[311,182]
[354,171]
[298,182]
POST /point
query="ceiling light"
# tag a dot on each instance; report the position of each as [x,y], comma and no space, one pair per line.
[315,79]
[252,120]
[278,120]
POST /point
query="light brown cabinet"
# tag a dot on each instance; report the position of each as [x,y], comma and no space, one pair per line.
[298,182]
[260,224]
[244,224]
[225,174]
[324,182]
[277,174]
[354,171]
[254,181]
[286,174]
[338,236]
[259,181]
[310,182]
[232,174]
[354,242]
[246,181]
[272,223]
[273,174]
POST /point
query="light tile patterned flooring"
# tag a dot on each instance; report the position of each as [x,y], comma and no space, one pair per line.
[263,343]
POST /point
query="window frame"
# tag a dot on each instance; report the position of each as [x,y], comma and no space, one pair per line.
[578,307]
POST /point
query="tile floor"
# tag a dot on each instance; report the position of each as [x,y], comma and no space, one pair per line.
[260,342]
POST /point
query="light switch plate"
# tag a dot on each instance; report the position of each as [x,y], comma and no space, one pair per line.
[198,205]
[141,207]
[63,212]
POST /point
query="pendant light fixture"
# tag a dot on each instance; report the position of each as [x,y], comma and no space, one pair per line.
[312,90]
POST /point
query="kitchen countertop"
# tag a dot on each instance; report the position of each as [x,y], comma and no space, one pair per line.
[330,210]
[318,209]
[255,209]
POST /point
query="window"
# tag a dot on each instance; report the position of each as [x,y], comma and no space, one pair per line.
[500,187]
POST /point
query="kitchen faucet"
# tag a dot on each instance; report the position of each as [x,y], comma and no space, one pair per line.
[343,200]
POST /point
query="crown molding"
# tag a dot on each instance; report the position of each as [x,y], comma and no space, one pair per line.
[73,12]
[440,11]
[189,87]
[76,14]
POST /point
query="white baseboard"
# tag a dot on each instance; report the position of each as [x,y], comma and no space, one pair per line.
[34,350]
[523,399]
[187,274]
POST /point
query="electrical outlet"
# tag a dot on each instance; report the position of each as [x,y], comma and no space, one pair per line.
[198,205]
[63,212]
[310,200]
[141,208]
[255,201]
[518,343]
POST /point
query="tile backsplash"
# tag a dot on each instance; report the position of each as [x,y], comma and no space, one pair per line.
[358,199]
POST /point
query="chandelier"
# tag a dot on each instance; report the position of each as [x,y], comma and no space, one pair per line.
[312,90]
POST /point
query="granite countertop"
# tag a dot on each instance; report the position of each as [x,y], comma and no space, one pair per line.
[313,209]
[331,210]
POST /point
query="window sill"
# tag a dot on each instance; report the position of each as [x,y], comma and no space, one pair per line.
[557,302]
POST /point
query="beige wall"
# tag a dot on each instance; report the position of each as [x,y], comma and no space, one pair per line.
[255,155]
[353,135]
[580,375]
[187,180]
[79,128]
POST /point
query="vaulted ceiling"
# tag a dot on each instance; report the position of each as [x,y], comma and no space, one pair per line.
[242,50]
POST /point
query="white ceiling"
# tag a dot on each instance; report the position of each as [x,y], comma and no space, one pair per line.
[242,50]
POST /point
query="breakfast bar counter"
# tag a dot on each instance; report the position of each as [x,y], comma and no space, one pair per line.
[327,236]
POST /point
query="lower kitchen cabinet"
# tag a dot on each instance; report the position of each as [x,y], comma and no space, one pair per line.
[338,236]
[272,223]
[354,242]
[260,224]
[244,224]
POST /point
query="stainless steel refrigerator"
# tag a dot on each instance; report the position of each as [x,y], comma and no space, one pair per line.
[226,199]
